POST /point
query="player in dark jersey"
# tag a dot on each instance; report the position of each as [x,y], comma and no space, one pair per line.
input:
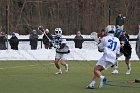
[126,49]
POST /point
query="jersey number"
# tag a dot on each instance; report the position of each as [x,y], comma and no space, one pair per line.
[112,44]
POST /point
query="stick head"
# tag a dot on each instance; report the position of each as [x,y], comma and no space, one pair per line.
[41,28]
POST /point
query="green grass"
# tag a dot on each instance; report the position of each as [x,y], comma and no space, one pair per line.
[39,77]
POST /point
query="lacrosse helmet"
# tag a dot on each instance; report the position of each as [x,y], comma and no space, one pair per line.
[58,32]
[110,29]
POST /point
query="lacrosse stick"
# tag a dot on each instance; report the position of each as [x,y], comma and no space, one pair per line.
[55,45]
[94,36]
[41,29]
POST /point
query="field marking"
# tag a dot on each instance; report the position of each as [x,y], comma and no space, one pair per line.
[25,66]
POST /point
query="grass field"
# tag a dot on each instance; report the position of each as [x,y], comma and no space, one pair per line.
[39,77]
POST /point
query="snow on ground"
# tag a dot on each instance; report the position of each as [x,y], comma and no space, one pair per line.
[88,52]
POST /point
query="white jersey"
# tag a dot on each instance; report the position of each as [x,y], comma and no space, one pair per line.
[111,46]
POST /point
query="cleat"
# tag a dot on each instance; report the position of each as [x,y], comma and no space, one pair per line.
[128,72]
[67,67]
[90,87]
[59,72]
[102,82]
[115,71]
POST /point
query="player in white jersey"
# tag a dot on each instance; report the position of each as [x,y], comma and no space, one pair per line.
[61,51]
[110,46]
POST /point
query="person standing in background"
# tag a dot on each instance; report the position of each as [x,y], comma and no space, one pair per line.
[14,42]
[138,44]
[3,40]
[33,40]
[101,34]
[120,21]
[78,40]
[46,39]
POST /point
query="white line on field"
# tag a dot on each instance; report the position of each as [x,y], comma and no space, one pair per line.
[25,66]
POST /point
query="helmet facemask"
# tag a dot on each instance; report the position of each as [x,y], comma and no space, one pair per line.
[58,32]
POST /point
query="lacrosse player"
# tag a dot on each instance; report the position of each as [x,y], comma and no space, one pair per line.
[61,51]
[126,50]
[110,46]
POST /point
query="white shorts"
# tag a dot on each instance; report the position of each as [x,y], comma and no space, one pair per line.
[61,56]
[104,64]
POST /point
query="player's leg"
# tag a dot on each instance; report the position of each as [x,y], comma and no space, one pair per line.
[127,55]
[96,74]
[63,62]
[56,62]
[128,63]
[115,71]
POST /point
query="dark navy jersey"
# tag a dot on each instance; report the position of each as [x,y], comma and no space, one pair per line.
[124,39]
[118,33]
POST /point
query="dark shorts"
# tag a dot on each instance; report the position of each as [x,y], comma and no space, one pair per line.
[126,52]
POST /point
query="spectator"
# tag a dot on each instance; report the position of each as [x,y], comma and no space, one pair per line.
[138,44]
[78,40]
[120,21]
[33,40]
[3,40]
[46,39]
[101,34]
[14,42]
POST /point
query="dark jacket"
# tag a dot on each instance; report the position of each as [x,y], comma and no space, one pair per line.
[3,42]
[138,46]
[120,21]
[33,39]
[45,38]
[78,41]
[14,41]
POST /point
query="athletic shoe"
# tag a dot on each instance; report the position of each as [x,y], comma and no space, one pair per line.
[102,82]
[128,72]
[115,71]
[59,72]
[90,87]
[67,67]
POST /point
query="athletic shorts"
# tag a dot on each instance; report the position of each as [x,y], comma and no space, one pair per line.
[126,52]
[104,64]
[61,56]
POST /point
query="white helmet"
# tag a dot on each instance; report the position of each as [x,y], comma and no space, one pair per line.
[58,31]
[110,29]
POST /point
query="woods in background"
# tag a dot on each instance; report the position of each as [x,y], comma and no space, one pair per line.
[72,15]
